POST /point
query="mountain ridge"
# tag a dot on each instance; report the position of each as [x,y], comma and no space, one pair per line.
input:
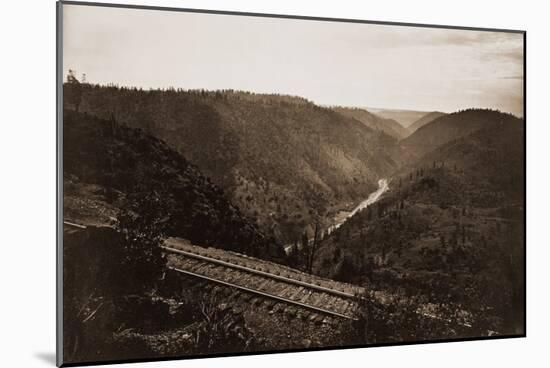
[373,121]
[282,159]
[429,117]
[452,126]
[404,117]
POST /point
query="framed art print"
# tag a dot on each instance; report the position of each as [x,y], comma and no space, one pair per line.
[233,183]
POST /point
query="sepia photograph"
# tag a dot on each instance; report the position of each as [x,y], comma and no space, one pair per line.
[237,183]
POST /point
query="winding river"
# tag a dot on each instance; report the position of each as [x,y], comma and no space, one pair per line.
[383,186]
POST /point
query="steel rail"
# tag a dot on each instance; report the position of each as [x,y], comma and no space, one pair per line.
[263,293]
[262,273]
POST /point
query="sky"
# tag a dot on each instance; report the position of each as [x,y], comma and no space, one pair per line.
[330,63]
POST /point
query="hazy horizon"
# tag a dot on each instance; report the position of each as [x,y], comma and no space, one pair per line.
[330,63]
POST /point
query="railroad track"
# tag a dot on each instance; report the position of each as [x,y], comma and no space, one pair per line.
[283,289]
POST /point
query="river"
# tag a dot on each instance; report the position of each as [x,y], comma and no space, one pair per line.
[383,186]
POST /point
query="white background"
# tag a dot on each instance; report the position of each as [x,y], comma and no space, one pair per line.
[27,182]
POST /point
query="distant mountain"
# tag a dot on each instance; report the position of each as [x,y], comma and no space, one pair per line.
[375,122]
[429,117]
[404,117]
[106,164]
[283,160]
[453,126]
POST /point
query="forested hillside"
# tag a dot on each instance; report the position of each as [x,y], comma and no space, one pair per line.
[453,126]
[491,159]
[448,239]
[281,159]
[111,171]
